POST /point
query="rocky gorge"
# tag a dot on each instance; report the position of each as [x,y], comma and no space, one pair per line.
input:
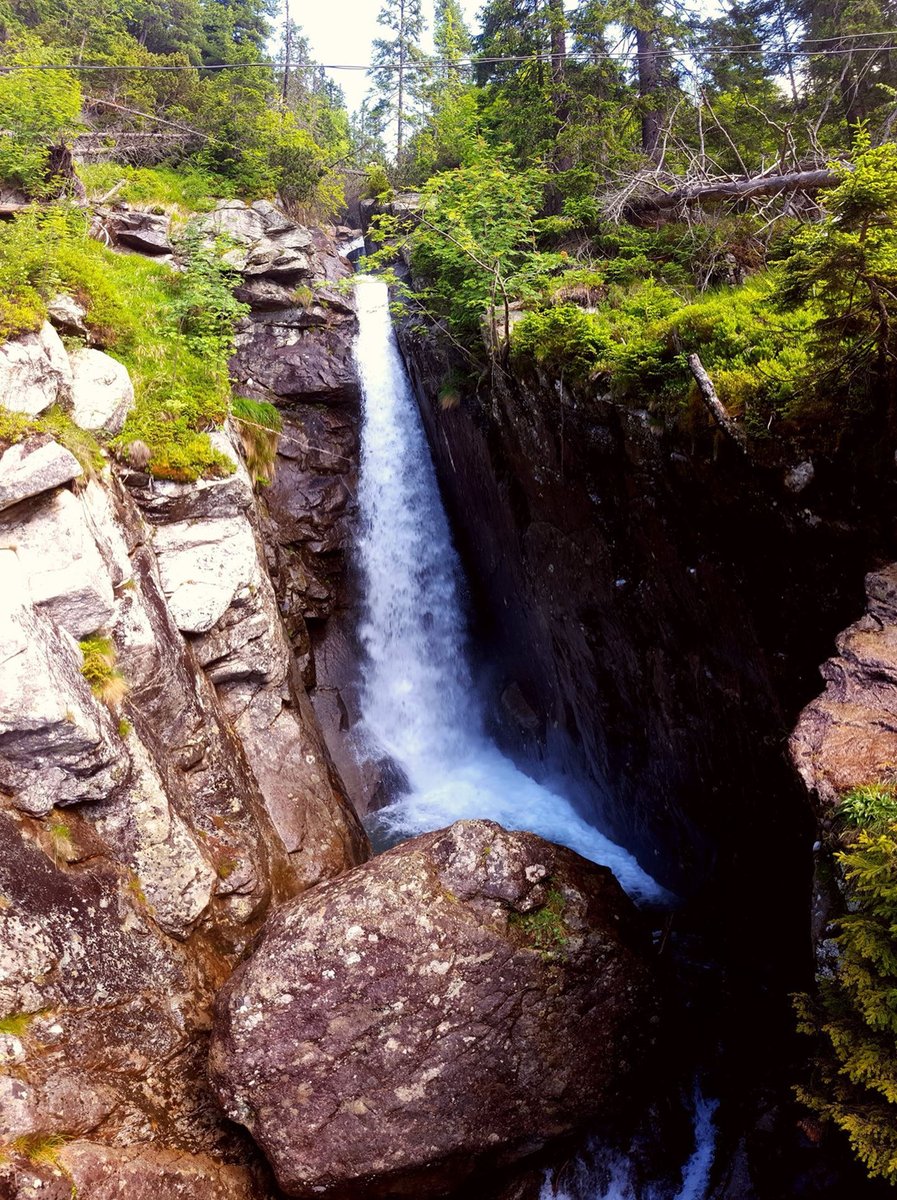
[208,987]
[167,787]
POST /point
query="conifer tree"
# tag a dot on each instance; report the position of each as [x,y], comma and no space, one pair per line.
[398,66]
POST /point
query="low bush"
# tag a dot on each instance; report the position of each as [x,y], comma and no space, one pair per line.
[853,1014]
[259,425]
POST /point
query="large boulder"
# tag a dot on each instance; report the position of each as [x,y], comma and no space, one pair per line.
[102,392]
[147,232]
[35,372]
[439,1012]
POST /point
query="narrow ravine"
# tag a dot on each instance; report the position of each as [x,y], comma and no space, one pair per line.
[420,705]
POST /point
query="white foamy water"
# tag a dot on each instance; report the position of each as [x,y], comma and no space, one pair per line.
[601,1176]
[418,703]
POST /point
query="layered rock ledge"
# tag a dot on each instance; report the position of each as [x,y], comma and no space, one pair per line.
[443,1010]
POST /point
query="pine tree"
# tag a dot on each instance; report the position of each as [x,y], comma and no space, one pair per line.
[398,66]
[453,42]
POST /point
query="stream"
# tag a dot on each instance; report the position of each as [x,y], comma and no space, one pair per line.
[420,707]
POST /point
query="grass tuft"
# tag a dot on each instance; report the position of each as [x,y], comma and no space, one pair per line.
[259,425]
[99,669]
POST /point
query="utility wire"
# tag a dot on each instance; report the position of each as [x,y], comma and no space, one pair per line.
[584,58]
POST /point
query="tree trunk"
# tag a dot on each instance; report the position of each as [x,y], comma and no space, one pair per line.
[559,99]
[400,102]
[649,90]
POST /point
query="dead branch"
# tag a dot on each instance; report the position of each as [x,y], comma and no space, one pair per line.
[134,112]
[714,405]
[732,189]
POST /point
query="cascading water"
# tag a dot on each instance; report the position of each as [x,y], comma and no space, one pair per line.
[418,702]
[420,707]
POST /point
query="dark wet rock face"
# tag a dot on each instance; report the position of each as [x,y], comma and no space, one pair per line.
[451,1006]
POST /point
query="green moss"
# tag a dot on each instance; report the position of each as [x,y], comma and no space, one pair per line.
[16,1024]
[543,928]
[124,727]
[13,426]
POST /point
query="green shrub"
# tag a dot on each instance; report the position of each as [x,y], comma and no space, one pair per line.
[99,669]
[259,425]
[376,183]
[37,109]
[204,302]
[565,339]
[853,1014]
[846,265]
[872,806]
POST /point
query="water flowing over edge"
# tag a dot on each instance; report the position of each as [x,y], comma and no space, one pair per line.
[607,1175]
[418,701]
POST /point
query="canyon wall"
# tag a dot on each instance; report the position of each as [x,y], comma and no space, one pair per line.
[163,778]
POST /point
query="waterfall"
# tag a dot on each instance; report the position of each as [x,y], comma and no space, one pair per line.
[420,707]
[418,702]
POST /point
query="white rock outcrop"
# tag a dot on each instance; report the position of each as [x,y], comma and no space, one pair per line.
[57,745]
[66,574]
[269,243]
[35,371]
[102,392]
[34,466]
[67,314]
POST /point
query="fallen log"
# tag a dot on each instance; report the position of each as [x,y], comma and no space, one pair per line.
[733,189]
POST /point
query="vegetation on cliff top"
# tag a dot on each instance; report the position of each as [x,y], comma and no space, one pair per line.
[172,329]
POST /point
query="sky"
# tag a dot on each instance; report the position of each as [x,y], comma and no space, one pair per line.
[341,31]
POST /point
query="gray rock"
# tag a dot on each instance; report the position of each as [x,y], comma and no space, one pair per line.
[66,574]
[36,465]
[204,565]
[102,392]
[313,363]
[264,294]
[267,242]
[143,231]
[449,1007]
[57,744]
[800,477]
[35,372]
[67,315]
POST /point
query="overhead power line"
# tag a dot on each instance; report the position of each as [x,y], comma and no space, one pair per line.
[584,58]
